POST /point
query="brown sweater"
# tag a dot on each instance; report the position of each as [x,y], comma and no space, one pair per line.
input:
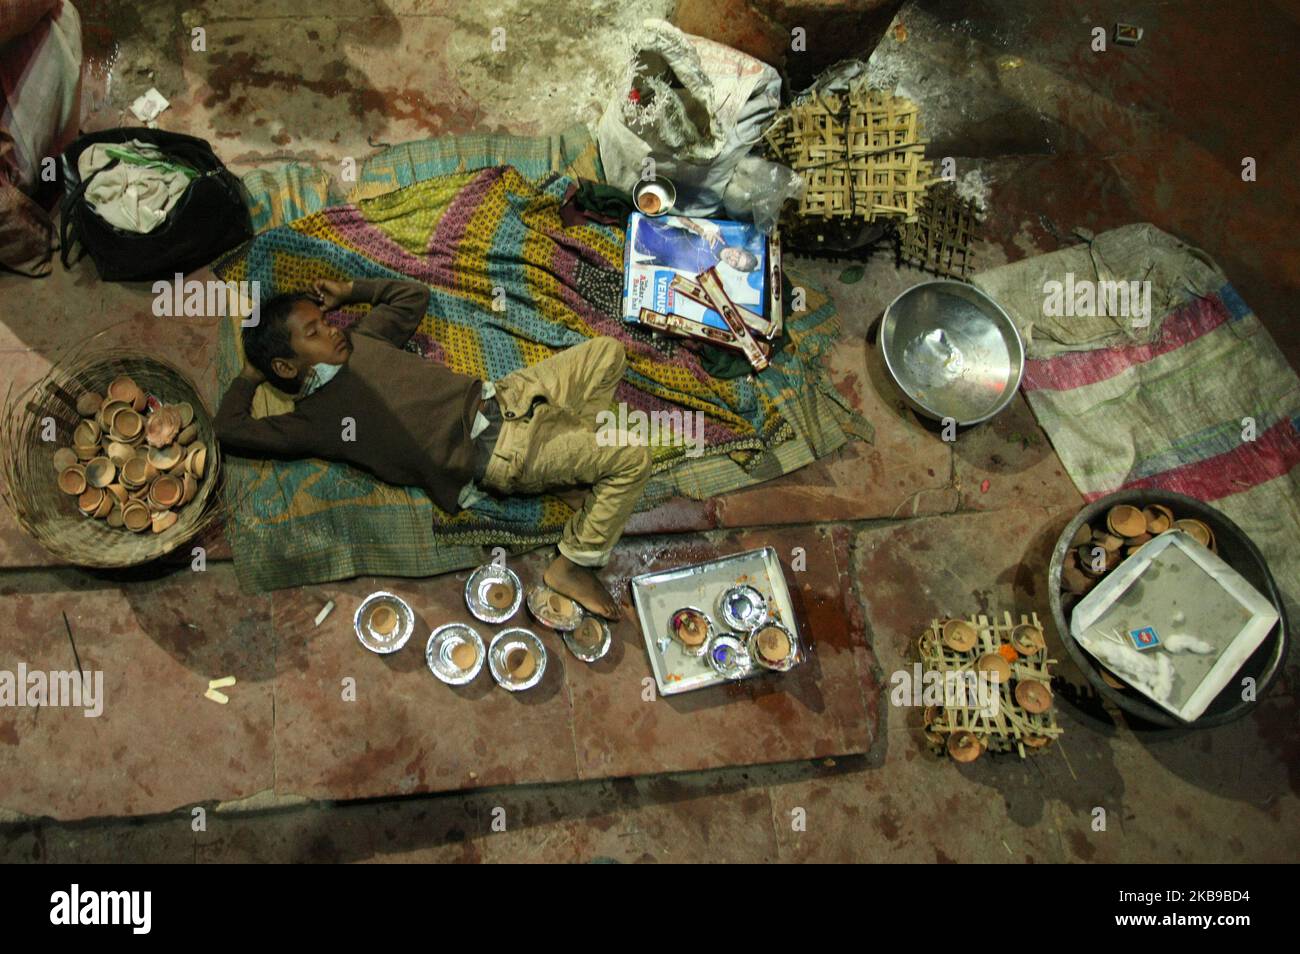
[413,417]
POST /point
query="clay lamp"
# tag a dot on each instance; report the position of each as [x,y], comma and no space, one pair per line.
[383,620]
[589,634]
[1110,679]
[128,426]
[1159,518]
[89,404]
[166,492]
[186,410]
[995,665]
[162,520]
[165,458]
[520,663]
[187,436]
[963,746]
[959,635]
[1126,521]
[64,458]
[137,472]
[1197,530]
[1081,536]
[464,655]
[773,645]
[560,605]
[1033,696]
[100,472]
[72,480]
[86,434]
[189,487]
[108,412]
[1107,541]
[118,492]
[1035,741]
[135,516]
[118,452]
[122,388]
[692,629]
[1076,581]
[89,500]
[1027,639]
[114,517]
[499,596]
[197,461]
[649,203]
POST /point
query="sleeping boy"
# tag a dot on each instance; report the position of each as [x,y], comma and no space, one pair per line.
[415,422]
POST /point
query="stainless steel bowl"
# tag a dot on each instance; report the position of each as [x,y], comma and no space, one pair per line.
[378,642]
[952,351]
[663,191]
[443,641]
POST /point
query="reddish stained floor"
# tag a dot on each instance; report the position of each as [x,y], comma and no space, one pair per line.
[895,531]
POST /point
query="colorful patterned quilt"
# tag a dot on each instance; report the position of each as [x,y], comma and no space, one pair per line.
[510,286]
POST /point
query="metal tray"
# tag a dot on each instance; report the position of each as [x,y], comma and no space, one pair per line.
[658,594]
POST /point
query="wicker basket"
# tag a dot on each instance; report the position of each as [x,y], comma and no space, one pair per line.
[32,491]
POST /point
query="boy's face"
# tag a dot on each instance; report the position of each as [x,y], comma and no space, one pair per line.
[313,341]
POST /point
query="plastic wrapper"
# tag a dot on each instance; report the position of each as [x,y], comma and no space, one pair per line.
[758,189]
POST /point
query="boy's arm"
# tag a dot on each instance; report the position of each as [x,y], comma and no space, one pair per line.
[276,434]
[398,308]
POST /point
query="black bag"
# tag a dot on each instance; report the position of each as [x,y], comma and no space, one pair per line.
[209,217]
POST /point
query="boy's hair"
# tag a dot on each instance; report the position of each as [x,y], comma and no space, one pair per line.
[269,338]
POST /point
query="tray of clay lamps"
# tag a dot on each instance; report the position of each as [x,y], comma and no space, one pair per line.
[717,622]
[994,680]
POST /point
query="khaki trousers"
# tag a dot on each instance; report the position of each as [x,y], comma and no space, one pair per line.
[548,441]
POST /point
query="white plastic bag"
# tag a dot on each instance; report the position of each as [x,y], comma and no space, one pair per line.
[758,189]
[693,106]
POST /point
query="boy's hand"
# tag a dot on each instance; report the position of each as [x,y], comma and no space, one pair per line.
[331,294]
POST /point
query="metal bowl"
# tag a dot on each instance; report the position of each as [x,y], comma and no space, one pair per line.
[589,653]
[442,642]
[792,654]
[663,191]
[502,644]
[952,351]
[378,642]
[1235,549]
[728,656]
[477,586]
[741,608]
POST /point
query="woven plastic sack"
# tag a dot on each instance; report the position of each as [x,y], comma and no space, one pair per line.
[694,107]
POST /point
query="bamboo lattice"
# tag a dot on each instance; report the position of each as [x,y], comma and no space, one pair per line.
[941,239]
[1010,728]
[860,154]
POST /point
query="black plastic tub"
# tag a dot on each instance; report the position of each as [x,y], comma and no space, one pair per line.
[1236,550]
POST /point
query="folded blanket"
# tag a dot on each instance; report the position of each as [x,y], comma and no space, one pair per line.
[509,287]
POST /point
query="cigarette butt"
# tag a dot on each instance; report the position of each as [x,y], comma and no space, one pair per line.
[222,683]
[215,696]
[325,611]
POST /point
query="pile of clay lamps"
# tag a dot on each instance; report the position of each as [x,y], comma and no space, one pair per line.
[132,467]
[1095,551]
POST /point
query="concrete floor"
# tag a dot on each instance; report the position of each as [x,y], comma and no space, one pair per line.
[910,527]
